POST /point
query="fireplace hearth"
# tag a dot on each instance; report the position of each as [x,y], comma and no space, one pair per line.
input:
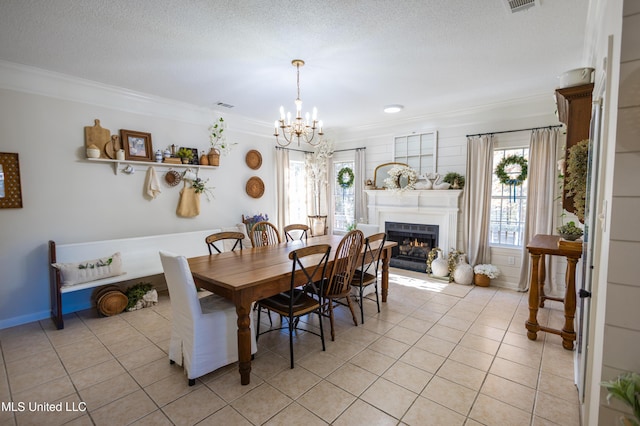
[415,240]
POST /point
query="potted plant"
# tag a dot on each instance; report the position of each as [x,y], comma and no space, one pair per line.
[218,140]
[570,231]
[455,179]
[185,154]
[484,273]
[626,388]
[576,176]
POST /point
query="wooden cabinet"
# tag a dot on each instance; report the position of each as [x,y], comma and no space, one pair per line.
[574,110]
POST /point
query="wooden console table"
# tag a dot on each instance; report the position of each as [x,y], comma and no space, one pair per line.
[540,246]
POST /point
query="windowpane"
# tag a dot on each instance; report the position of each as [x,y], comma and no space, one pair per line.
[344,199]
[508,205]
[297,192]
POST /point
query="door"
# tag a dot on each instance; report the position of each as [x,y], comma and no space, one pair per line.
[590,223]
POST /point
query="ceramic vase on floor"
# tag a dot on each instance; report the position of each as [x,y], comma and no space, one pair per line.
[439,266]
[463,274]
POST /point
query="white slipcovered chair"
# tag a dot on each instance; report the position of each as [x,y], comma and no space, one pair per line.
[203,330]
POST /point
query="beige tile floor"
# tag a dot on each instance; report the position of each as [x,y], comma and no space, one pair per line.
[437,354]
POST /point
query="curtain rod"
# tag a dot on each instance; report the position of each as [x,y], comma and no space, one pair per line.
[337,150]
[519,130]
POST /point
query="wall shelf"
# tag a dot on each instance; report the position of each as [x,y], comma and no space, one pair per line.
[120,165]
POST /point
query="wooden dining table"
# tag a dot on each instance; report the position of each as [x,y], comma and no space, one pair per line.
[245,276]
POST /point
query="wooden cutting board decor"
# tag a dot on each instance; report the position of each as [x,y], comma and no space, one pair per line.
[96,135]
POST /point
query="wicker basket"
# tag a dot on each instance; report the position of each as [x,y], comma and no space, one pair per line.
[110,300]
[481,280]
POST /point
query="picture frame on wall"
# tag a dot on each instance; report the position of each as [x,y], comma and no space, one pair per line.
[10,187]
[137,145]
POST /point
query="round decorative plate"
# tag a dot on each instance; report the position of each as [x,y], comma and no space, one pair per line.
[254,159]
[255,187]
[172,178]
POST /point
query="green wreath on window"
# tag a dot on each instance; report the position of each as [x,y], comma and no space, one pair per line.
[345,177]
[505,173]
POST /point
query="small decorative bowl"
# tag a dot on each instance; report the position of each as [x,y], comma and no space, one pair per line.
[93,153]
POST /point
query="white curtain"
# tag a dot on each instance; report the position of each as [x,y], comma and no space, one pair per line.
[361,213]
[282,184]
[542,181]
[477,199]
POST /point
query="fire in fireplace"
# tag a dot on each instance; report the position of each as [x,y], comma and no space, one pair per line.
[415,240]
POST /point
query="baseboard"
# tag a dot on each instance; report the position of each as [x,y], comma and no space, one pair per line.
[24,319]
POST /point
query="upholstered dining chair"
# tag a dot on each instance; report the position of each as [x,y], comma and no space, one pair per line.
[339,283]
[264,234]
[366,274]
[305,293]
[203,330]
[296,231]
[223,236]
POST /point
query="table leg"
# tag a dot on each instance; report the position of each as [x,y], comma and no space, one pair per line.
[244,342]
[542,276]
[385,274]
[534,299]
[568,334]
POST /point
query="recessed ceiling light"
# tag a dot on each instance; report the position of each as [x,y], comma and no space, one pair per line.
[391,109]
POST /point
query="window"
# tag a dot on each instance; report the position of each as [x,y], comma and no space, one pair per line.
[297,191]
[344,199]
[508,204]
[420,152]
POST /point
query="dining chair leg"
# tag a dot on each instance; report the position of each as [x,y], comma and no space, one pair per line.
[333,333]
[258,325]
[361,300]
[377,297]
[353,313]
[321,328]
[291,327]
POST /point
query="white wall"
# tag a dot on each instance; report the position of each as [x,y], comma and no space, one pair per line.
[621,334]
[67,199]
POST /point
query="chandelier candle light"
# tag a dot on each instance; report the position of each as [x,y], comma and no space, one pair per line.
[304,128]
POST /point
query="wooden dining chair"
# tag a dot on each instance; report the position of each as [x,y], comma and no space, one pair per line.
[296,231]
[203,329]
[367,272]
[223,236]
[264,234]
[304,295]
[339,283]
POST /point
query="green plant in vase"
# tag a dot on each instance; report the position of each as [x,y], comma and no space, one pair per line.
[185,154]
[570,231]
[626,388]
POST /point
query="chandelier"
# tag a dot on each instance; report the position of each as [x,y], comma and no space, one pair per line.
[300,128]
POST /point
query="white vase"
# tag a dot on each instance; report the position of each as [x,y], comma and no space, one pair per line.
[463,274]
[439,266]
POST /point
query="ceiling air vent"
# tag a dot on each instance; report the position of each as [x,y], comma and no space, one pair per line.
[222,104]
[519,5]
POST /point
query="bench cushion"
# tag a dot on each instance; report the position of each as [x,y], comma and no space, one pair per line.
[90,270]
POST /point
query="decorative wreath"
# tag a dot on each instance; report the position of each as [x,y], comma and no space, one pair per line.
[393,181]
[504,177]
[345,181]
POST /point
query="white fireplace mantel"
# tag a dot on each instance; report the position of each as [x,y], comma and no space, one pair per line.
[429,207]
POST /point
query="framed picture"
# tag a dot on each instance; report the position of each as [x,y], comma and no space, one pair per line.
[137,145]
[10,189]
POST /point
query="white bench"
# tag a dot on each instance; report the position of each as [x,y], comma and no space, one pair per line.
[140,259]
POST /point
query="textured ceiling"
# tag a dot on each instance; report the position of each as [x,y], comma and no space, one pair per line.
[429,55]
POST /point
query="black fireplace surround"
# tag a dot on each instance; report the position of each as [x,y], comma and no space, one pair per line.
[415,240]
